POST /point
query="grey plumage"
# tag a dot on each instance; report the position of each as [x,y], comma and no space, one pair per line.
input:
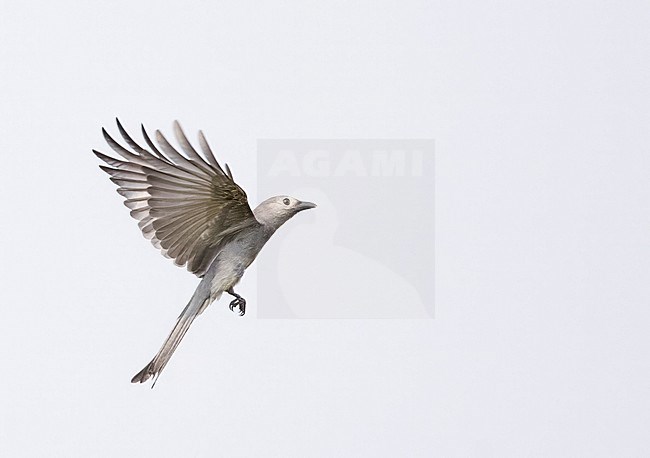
[192,210]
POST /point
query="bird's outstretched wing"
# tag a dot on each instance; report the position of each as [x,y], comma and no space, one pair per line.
[188,206]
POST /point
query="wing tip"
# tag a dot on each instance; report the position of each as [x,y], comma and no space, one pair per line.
[229,172]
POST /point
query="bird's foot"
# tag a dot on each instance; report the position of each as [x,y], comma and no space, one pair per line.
[240,303]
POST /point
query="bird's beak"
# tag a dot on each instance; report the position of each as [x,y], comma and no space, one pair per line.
[305,206]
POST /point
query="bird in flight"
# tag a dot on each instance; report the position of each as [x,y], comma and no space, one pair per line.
[191,209]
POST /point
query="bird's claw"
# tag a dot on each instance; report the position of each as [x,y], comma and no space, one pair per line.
[239,302]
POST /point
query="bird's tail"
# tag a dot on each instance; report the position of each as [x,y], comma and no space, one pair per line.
[197,304]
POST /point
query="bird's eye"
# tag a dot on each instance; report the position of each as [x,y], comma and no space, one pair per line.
[286,201]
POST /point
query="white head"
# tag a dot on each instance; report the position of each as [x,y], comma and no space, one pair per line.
[275,211]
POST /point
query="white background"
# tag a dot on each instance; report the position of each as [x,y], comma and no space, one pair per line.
[540,342]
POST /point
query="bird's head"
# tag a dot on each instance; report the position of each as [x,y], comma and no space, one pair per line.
[275,211]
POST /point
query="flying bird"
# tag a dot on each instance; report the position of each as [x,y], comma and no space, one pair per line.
[191,209]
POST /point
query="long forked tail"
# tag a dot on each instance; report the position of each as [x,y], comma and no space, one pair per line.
[197,304]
